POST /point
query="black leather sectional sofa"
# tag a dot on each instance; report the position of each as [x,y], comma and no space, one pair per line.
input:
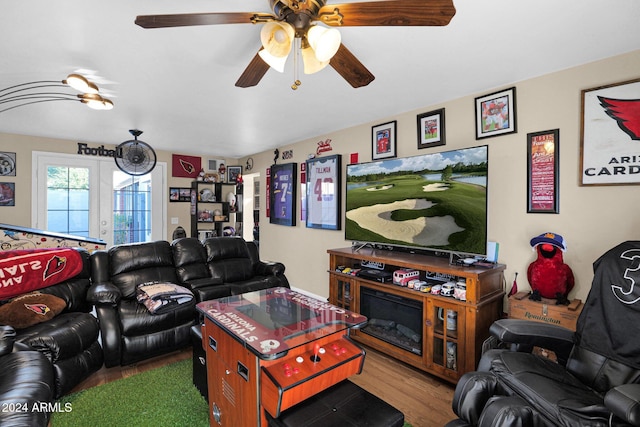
[45,361]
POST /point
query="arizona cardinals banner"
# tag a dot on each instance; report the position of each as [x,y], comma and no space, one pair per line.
[185,166]
[26,270]
[610,143]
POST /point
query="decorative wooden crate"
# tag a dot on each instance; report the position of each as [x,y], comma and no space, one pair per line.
[521,307]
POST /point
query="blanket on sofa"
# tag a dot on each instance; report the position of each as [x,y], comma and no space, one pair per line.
[160,298]
[25,270]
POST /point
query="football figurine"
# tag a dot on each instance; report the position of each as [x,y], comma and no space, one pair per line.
[548,275]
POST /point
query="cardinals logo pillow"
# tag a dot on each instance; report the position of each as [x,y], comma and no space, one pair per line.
[31,309]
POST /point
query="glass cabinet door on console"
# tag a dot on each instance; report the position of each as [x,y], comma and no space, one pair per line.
[341,289]
[445,336]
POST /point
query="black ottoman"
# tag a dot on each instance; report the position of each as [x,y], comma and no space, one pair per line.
[199,362]
[343,405]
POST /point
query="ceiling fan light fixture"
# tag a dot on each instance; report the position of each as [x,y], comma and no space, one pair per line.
[81,84]
[325,42]
[275,62]
[277,38]
[310,63]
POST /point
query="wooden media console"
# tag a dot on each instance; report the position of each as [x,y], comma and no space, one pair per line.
[445,335]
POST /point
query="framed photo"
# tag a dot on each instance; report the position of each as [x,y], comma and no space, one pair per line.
[431,129]
[233,172]
[282,194]
[323,192]
[610,135]
[496,114]
[7,163]
[383,141]
[178,194]
[205,215]
[7,194]
[543,153]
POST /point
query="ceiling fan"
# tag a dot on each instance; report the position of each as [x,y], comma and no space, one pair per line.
[292,19]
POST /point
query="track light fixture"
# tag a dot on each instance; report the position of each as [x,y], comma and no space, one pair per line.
[32,93]
[80,83]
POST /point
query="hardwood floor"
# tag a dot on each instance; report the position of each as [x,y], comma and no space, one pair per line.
[424,400]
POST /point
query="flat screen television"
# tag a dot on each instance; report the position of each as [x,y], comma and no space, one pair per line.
[434,202]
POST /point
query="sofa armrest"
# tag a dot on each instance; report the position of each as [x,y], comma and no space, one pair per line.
[624,402]
[104,293]
[106,296]
[7,338]
[269,268]
[263,268]
[100,266]
[523,335]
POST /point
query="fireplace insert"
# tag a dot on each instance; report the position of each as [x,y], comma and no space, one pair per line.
[392,318]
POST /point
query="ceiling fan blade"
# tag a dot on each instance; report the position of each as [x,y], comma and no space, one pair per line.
[352,70]
[389,13]
[254,72]
[189,19]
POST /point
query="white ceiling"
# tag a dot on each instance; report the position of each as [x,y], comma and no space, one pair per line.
[177,84]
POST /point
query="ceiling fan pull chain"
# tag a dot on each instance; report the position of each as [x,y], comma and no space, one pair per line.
[296,60]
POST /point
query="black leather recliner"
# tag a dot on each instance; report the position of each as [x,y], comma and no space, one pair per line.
[224,266]
[130,333]
[596,380]
[26,379]
[190,259]
[230,261]
[69,340]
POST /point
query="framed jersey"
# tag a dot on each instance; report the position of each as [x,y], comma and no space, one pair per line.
[282,194]
[323,192]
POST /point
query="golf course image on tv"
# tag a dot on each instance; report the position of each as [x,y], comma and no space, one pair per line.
[435,201]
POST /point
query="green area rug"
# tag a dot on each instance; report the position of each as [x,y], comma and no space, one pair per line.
[161,397]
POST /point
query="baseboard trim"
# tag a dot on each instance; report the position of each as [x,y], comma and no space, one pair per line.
[309,294]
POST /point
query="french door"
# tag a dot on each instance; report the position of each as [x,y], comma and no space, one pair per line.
[91,197]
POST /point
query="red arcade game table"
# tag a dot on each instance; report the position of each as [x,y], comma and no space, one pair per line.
[271,349]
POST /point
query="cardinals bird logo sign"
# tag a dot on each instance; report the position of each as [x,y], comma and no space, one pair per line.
[626,112]
[611,135]
[185,166]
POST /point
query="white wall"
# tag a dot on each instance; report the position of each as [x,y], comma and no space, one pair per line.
[592,219]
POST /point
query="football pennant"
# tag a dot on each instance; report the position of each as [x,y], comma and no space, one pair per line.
[185,166]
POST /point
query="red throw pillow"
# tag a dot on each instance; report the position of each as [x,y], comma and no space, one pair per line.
[30,309]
